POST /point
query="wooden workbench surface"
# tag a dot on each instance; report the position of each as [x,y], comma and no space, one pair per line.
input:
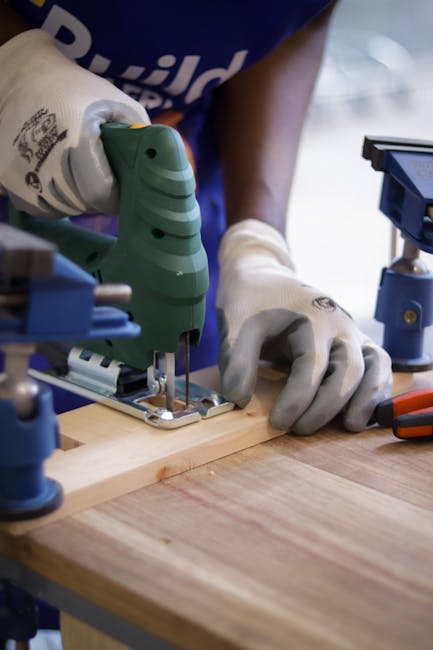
[322,543]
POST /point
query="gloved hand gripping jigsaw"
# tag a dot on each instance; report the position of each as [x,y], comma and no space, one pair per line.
[159,253]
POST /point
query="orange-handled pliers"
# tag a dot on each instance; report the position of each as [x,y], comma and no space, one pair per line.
[410,414]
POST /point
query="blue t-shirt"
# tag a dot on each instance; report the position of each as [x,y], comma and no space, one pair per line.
[170,56]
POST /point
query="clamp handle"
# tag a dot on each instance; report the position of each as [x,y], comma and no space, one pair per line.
[375,148]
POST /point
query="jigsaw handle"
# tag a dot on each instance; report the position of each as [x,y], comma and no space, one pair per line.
[159,251]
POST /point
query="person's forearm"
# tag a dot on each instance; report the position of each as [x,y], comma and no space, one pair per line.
[11,23]
[260,114]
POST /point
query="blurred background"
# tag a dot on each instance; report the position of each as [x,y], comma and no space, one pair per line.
[376,79]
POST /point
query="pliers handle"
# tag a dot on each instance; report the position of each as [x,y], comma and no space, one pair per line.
[410,414]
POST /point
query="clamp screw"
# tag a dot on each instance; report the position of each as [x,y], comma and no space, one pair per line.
[410,316]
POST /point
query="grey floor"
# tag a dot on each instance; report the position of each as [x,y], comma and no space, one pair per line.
[377,80]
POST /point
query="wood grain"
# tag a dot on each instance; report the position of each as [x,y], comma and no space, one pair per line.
[254,551]
[314,543]
[109,453]
[319,543]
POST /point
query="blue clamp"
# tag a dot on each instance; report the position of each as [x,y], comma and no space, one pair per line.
[44,303]
[405,295]
[407,189]
[61,307]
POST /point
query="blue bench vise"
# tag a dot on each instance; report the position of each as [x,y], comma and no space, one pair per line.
[405,295]
[43,298]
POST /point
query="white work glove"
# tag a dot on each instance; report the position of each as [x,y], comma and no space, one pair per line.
[265,312]
[52,160]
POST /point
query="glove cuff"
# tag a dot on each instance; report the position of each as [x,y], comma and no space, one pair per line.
[256,238]
[22,55]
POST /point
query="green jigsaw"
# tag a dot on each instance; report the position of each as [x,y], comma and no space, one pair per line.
[158,252]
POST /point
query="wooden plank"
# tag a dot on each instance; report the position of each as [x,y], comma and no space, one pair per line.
[110,453]
[76,634]
[118,453]
[313,543]
[257,550]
